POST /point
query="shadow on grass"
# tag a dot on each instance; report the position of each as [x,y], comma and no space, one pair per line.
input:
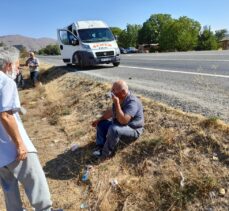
[71,164]
[58,71]
[76,68]
[27,84]
[53,73]
[45,76]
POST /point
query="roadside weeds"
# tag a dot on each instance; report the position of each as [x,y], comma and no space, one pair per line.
[179,163]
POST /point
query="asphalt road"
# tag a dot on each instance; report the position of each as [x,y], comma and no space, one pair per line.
[192,81]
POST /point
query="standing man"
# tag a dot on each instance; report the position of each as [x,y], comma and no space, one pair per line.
[124,121]
[18,157]
[33,64]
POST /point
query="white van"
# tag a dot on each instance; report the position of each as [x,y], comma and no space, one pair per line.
[87,43]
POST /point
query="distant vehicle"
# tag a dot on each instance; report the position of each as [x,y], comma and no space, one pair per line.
[132,50]
[123,50]
[87,43]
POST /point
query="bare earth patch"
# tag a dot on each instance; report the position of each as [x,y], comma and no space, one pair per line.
[179,163]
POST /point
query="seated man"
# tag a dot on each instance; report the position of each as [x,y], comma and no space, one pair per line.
[126,123]
[19,80]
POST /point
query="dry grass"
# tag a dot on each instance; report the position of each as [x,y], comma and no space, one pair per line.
[179,163]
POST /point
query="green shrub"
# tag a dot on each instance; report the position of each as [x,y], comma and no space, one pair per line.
[50,50]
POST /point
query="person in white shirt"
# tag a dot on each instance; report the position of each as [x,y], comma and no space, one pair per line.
[18,157]
[33,64]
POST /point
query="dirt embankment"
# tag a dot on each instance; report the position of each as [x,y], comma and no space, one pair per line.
[179,163]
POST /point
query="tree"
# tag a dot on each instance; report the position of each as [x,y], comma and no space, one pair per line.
[123,39]
[180,35]
[151,30]
[129,36]
[220,34]
[116,31]
[207,40]
[50,50]
[188,31]
[168,37]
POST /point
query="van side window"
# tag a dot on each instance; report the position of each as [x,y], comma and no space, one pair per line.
[71,37]
[64,37]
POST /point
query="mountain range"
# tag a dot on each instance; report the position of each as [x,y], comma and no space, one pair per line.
[29,43]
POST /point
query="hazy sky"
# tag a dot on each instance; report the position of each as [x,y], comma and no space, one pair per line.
[41,18]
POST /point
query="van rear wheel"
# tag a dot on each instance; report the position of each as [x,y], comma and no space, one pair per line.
[116,64]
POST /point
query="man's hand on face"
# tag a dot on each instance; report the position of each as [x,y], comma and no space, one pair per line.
[115,99]
[22,152]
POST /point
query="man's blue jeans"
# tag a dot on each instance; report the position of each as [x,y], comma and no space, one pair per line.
[109,134]
[34,77]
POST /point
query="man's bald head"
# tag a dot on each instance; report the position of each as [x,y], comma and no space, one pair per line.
[119,86]
[120,89]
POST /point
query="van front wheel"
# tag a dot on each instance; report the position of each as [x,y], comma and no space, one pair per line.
[80,62]
[116,64]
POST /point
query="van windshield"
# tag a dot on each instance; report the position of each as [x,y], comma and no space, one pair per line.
[95,35]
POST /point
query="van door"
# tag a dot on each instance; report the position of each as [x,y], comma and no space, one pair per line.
[68,44]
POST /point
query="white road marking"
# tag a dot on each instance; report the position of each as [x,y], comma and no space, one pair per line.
[176,71]
[204,60]
[194,53]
